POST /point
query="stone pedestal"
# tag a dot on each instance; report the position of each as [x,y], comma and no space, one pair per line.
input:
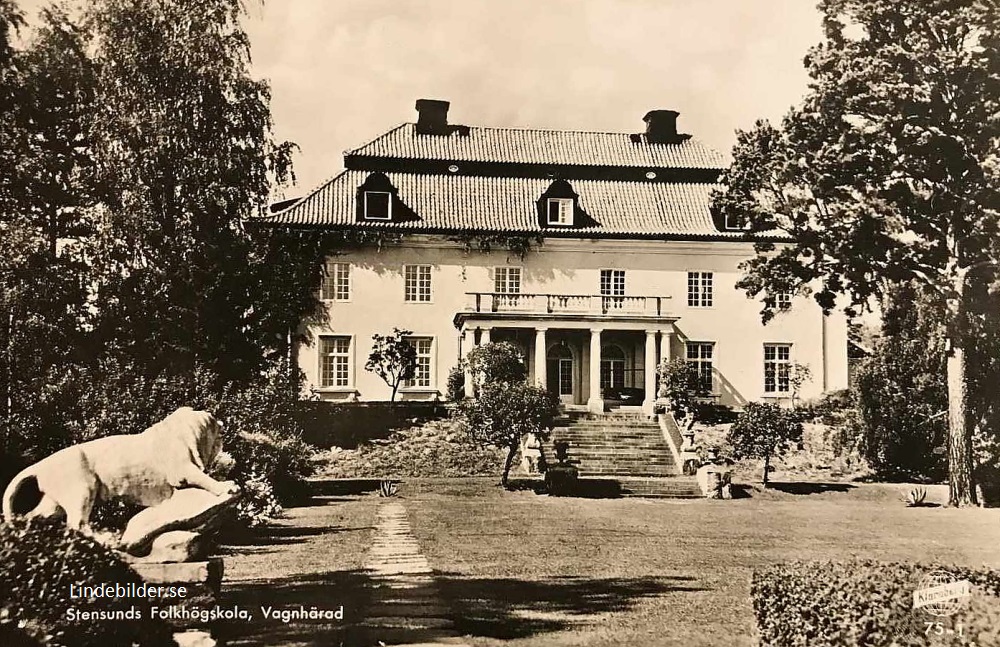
[190,509]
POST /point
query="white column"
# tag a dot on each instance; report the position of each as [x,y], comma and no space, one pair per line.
[484,336]
[650,371]
[666,337]
[596,401]
[467,345]
[541,378]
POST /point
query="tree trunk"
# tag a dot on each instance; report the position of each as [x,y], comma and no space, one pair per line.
[511,453]
[961,481]
[767,467]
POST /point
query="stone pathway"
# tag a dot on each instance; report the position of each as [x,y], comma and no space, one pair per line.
[406,607]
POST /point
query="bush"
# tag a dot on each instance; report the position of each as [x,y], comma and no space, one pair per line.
[864,604]
[764,431]
[496,362]
[284,462]
[433,449]
[38,562]
[504,412]
[456,383]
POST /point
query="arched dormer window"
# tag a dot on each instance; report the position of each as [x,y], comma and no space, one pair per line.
[558,206]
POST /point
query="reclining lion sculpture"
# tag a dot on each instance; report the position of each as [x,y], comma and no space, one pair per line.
[145,468]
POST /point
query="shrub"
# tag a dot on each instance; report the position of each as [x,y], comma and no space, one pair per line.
[456,383]
[284,462]
[257,505]
[864,604]
[39,559]
[393,358]
[764,431]
[504,412]
[496,362]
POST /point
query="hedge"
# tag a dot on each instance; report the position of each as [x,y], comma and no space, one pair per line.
[866,604]
[39,560]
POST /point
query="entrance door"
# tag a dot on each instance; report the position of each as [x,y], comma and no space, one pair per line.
[559,373]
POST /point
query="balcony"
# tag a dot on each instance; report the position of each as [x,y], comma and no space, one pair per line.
[566,304]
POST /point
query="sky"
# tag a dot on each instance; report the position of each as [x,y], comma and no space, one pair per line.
[344,71]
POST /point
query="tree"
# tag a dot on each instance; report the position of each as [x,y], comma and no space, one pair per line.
[504,412]
[682,387]
[496,362]
[185,156]
[393,358]
[887,172]
[900,391]
[764,431]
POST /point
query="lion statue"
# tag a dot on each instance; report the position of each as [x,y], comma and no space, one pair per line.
[144,468]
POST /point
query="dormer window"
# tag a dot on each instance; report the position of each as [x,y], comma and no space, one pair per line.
[735,221]
[378,205]
[559,212]
[378,201]
[559,208]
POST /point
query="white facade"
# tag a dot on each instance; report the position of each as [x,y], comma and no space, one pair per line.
[570,319]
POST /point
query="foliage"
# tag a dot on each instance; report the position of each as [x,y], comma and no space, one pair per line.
[183,146]
[864,603]
[517,244]
[504,412]
[433,449]
[764,430]
[456,383]
[257,504]
[39,560]
[387,488]
[901,393]
[496,362]
[885,173]
[686,395]
[916,497]
[393,358]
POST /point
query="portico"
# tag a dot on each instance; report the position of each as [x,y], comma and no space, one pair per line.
[593,356]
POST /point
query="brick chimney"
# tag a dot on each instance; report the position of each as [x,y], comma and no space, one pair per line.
[661,127]
[432,117]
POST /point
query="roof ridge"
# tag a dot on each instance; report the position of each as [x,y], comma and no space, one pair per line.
[691,138]
[377,137]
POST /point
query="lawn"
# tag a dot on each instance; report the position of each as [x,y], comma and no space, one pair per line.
[313,556]
[521,569]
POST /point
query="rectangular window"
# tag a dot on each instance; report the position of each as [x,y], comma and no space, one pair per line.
[777,368]
[335,361]
[613,289]
[735,221]
[507,280]
[783,300]
[378,205]
[417,279]
[700,355]
[337,282]
[559,211]
[700,289]
[613,283]
[422,378]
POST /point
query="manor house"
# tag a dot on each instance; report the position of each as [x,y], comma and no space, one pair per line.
[632,266]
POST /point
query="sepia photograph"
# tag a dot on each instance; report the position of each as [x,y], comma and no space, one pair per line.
[500,323]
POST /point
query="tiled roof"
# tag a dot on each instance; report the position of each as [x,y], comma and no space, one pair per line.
[541,147]
[445,203]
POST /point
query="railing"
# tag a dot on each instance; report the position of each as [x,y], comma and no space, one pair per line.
[565,303]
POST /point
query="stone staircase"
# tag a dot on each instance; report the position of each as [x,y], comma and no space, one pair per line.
[623,446]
